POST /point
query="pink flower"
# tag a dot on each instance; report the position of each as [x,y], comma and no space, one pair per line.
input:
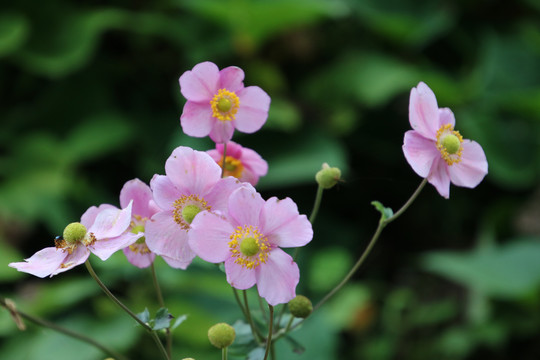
[218,102]
[102,231]
[144,207]
[240,162]
[435,150]
[193,183]
[249,242]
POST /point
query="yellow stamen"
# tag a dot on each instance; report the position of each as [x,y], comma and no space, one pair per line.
[190,202]
[225,105]
[449,144]
[233,167]
[249,259]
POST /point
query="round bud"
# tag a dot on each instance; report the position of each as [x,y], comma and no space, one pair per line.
[74,232]
[189,212]
[221,335]
[300,306]
[249,247]
[328,176]
[451,143]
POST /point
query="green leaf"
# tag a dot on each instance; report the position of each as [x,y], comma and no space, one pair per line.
[386,212]
[179,320]
[297,348]
[162,320]
[144,316]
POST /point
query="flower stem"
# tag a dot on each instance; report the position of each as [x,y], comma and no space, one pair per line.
[62,330]
[161,304]
[224,353]
[317,204]
[270,331]
[254,329]
[224,159]
[371,244]
[125,308]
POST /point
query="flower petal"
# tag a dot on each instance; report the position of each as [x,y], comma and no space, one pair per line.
[209,237]
[472,168]
[141,195]
[254,162]
[446,116]
[253,110]
[192,172]
[222,131]
[277,278]
[439,178]
[218,197]
[282,224]
[238,276]
[201,83]
[111,223]
[77,257]
[196,119]
[139,259]
[42,263]
[164,192]
[420,152]
[105,248]
[177,264]
[166,238]
[89,216]
[231,78]
[424,111]
[245,206]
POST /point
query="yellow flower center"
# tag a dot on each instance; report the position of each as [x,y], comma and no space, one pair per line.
[225,105]
[248,246]
[449,144]
[185,209]
[233,167]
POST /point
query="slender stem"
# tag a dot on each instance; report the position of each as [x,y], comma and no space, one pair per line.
[224,159]
[254,329]
[62,330]
[270,331]
[240,305]
[159,294]
[261,305]
[224,353]
[317,204]
[408,203]
[125,308]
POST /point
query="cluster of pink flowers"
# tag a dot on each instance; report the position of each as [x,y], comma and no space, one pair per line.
[206,204]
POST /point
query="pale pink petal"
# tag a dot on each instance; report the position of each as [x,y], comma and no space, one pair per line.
[472,168]
[249,177]
[77,257]
[196,119]
[111,222]
[164,192]
[43,263]
[446,116]
[215,154]
[282,224]
[192,172]
[218,197]
[139,259]
[201,83]
[233,149]
[439,178]
[166,238]
[222,131]
[424,111]
[420,152]
[105,248]
[238,276]
[209,237]
[231,78]
[277,278]
[253,110]
[89,216]
[245,206]
[254,162]
[141,195]
[177,264]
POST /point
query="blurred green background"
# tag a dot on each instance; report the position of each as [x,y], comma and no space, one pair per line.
[89,99]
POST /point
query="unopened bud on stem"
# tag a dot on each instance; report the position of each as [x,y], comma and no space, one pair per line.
[328,176]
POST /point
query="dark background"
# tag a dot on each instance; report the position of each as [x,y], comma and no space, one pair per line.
[89,99]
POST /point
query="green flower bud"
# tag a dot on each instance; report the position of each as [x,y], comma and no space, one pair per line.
[328,176]
[221,335]
[74,232]
[451,143]
[300,306]
[189,212]
[249,246]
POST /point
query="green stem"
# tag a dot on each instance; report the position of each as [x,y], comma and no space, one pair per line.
[270,331]
[62,330]
[161,304]
[254,329]
[125,308]
[224,353]
[224,158]
[317,205]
